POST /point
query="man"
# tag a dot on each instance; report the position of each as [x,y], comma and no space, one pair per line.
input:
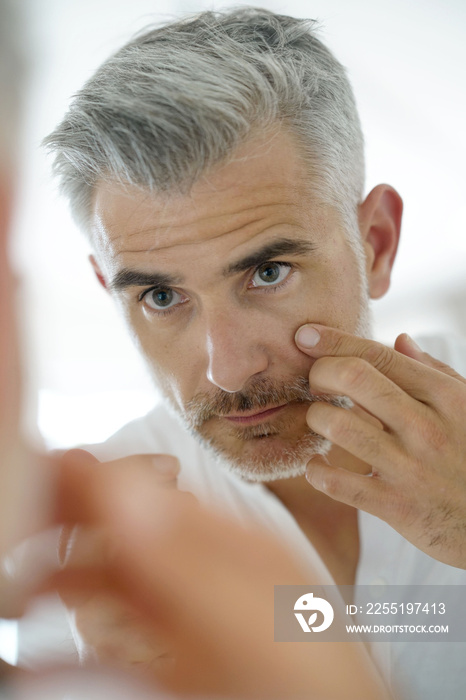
[217,166]
[37,494]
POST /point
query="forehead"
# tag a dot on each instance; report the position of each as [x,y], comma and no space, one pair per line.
[263,186]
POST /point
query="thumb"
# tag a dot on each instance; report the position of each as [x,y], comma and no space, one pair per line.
[306,338]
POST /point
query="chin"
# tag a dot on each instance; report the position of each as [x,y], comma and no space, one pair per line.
[269,458]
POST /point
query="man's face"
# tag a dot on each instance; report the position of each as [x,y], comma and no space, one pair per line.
[215,284]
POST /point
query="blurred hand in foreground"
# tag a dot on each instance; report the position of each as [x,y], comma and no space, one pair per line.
[205,586]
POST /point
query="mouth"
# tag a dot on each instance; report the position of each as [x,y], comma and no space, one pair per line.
[254,418]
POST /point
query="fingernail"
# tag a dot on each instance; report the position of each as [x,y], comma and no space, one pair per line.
[314,478]
[314,473]
[307,336]
[413,343]
[166,465]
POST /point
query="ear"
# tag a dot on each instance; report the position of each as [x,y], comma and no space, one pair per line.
[380,225]
[98,272]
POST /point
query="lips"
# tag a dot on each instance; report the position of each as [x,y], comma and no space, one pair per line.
[254,418]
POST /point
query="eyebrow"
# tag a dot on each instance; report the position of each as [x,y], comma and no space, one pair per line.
[274,249]
[135,278]
[283,246]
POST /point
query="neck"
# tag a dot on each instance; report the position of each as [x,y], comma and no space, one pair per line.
[330,526]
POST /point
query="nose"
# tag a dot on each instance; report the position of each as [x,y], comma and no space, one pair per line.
[235,351]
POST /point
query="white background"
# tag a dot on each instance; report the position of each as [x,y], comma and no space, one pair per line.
[406,60]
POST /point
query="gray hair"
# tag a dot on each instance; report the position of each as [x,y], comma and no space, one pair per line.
[180,98]
[11,79]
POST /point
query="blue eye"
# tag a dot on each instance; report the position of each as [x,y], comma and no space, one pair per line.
[161,299]
[270,273]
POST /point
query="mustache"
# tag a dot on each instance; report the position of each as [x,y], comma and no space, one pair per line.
[260,394]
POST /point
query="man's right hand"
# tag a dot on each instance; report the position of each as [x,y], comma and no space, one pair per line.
[104,628]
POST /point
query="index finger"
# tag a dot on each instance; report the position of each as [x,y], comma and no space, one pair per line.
[409,374]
